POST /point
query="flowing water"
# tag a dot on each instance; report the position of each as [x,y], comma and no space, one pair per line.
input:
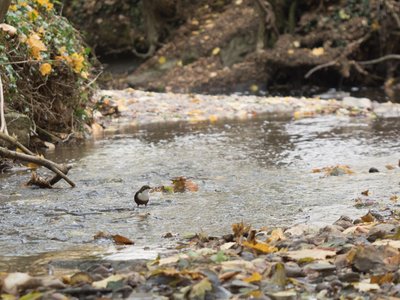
[258,171]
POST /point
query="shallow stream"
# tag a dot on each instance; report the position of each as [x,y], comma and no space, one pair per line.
[257,171]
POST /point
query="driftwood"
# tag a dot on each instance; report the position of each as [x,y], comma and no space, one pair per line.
[60,170]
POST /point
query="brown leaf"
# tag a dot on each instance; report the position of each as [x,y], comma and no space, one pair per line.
[228,275]
[381,279]
[368,218]
[121,240]
[39,181]
[390,167]
[181,184]
[239,229]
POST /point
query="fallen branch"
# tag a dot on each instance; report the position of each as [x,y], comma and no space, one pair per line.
[60,170]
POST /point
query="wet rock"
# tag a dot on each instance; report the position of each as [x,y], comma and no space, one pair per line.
[349,277]
[20,126]
[322,267]
[344,222]
[238,284]
[228,237]
[293,270]
[284,295]
[360,103]
[323,286]
[301,229]
[380,231]
[367,259]
[373,170]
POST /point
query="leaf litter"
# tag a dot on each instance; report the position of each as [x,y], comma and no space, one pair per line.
[351,259]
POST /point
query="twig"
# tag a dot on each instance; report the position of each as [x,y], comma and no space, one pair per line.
[380,59]
[319,67]
[94,79]
[20,62]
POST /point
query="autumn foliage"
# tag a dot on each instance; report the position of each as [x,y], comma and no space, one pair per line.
[44,66]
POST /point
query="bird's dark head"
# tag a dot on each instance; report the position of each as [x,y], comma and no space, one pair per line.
[143,188]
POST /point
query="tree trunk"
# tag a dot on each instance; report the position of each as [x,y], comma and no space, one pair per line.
[4,4]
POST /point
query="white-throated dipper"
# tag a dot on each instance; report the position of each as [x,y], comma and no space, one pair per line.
[142,196]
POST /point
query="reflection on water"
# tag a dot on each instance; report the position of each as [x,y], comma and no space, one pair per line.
[257,171]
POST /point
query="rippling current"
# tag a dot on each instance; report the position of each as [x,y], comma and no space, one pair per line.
[258,171]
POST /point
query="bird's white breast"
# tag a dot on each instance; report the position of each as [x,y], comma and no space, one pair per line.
[144,196]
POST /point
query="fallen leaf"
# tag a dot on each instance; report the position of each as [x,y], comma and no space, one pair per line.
[260,247]
[162,60]
[199,290]
[121,240]
[368,218]
[390,167]
[253,278]
[216,51]
[366,287]
[32,296]
[315,253]
[101,284]
[381,279]
[181,184]
[394,198]
[276,236]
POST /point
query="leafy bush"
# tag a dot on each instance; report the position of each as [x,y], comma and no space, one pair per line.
[44,66]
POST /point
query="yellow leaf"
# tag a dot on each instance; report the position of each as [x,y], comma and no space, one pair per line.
[162,60]
[260,247]
[253,278]
[276,235]
[45,69]
[216,51]
[35,45]
[77,62]
[33,14]
[318,51]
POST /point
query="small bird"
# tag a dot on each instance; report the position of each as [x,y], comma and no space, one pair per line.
[142,196]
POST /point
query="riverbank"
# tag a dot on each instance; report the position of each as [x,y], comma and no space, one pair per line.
[351,258]
[119,109]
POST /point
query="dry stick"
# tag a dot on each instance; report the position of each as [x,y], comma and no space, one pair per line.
[3,125]
[380,59]
[315,69]
[37,160]
[14,142]
[56,178]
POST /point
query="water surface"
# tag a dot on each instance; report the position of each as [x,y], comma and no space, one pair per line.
[257,171]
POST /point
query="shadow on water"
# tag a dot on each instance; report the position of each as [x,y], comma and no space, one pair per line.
[257,171]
